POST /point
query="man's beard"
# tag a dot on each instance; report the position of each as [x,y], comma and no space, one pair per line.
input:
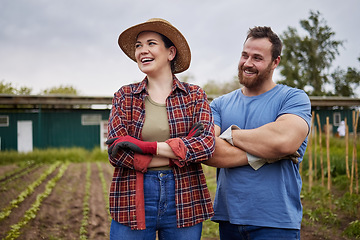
[258,80]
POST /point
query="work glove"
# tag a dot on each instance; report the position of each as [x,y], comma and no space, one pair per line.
[196,129]
[128,142]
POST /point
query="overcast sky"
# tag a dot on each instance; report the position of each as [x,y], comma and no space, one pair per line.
[46,44]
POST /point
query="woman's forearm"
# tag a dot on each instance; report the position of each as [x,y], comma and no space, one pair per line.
[158,162]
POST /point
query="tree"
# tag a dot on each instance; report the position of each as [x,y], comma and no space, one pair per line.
[306,60]
[214,88]
[346,82]
[63,90]
[7,88]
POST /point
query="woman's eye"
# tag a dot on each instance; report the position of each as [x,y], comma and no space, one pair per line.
[137,45]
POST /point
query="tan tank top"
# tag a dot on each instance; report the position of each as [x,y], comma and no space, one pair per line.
[156,125]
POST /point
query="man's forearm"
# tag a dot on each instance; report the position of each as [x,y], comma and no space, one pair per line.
[273,140]
[226,155]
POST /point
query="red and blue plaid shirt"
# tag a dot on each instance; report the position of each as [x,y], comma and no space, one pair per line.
[185,105]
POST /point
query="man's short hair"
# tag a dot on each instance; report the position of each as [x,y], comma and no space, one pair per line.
[266,32]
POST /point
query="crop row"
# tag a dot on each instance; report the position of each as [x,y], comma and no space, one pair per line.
[30,189]
[32,211]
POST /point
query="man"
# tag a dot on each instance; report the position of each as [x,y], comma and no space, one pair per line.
[267,120]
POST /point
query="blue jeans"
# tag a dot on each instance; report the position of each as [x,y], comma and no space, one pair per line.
[160,212]
[230,231]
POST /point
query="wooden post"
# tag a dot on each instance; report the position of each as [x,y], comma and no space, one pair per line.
[328,153]
[315,153]
[347,148]
[310,153]
[355,116]
[321,150]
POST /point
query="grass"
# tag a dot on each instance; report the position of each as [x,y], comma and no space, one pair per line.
[52,155]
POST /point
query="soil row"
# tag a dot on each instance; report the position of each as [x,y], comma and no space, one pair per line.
[61,213]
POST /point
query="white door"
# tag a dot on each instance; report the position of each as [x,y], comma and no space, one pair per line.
[25,136]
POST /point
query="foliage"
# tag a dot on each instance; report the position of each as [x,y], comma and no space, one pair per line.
[346,82]
[51,155]
[353,230]
[305,60]
[214,88]
[63,90]
[210,228]
[86,204]
[8,88]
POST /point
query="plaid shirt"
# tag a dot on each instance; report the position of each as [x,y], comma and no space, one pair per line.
[186,105]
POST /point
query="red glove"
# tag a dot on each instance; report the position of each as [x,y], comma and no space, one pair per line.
[196,129]
[127,142]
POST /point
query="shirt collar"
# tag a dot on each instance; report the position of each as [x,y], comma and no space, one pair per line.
[176,84]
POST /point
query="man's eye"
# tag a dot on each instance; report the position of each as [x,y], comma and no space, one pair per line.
[137,45]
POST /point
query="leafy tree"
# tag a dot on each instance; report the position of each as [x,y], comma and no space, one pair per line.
[306,60]
[8,88]
[215,88]
[63,90]
[346,82]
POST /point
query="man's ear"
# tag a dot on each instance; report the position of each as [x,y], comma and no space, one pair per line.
[276,62]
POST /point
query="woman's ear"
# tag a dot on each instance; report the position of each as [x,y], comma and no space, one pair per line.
[172,53]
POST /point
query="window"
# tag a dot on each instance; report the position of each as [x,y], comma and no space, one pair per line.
[337,118]
[4,121]
[90,119]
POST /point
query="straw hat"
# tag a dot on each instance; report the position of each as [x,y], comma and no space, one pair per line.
[127,40]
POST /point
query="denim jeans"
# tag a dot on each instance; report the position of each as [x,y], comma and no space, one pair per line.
[160,212]
[230,231]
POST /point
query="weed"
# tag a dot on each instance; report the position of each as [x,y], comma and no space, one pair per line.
[353,230]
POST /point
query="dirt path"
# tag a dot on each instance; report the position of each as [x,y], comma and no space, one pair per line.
[99,222]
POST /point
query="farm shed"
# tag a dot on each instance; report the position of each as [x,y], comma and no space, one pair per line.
[28,122]
[337,109]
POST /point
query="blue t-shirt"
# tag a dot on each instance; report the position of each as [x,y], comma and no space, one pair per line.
[269,196]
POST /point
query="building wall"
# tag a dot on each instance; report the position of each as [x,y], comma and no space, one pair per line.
[335,117]
[55,128]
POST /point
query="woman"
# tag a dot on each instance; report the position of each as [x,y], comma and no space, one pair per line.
[160,130]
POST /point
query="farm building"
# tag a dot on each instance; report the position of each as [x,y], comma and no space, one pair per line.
[28,122]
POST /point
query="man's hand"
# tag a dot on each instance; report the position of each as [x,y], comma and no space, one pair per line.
[196,129]
[293,157]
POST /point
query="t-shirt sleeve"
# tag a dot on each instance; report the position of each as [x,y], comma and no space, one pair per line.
[215,109]
[297,103]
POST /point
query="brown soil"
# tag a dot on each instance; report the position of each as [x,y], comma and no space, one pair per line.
[61,213]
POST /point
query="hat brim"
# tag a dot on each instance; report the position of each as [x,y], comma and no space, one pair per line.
[127,41]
